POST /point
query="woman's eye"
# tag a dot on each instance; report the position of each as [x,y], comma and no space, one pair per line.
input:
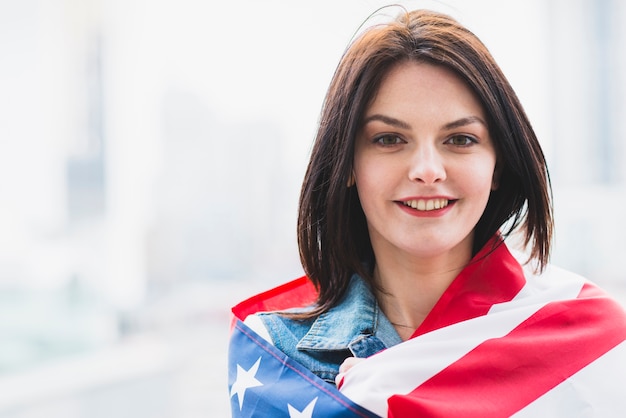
[461,140]
[387,140]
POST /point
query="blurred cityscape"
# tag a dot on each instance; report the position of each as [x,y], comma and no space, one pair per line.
[151,154]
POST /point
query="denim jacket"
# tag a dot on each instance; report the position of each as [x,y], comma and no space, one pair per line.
[355,327]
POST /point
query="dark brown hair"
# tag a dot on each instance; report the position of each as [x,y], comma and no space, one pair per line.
[332,231]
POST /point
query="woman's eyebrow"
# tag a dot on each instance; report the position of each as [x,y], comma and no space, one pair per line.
[403,125]
[388,120]
[464,122]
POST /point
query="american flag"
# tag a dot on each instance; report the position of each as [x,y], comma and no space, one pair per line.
[266,383]
[500,342]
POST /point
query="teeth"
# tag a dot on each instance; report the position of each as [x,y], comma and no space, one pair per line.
[427,204]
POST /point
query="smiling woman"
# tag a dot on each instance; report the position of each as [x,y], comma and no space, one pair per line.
[424,164]
[424,167]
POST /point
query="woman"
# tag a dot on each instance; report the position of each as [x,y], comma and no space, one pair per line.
[424,163]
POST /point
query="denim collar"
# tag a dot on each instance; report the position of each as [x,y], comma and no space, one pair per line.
[356,324]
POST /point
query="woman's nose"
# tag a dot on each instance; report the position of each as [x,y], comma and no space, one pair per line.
[427,165]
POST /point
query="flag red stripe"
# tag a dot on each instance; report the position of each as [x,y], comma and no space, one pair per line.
[296,293]
[502,375]
[479,286]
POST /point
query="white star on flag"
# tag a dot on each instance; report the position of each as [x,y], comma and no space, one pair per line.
[306,412]
[245,379]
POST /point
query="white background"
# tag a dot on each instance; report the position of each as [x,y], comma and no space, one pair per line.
[151,154]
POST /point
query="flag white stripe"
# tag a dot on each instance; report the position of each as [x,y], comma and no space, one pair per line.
[553,278]
[596,390]
[400,369]
[256,324]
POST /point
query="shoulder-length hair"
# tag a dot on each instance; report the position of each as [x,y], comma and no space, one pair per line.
[333,237]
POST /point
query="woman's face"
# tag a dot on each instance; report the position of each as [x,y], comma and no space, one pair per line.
[424,164]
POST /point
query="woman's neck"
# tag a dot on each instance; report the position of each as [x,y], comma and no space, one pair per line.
[410,288]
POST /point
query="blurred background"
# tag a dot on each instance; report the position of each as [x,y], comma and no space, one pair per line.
[151,154]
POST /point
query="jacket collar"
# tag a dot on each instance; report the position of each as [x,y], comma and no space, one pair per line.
[330,331]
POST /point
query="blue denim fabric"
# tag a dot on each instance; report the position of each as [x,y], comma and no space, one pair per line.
[355,327]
